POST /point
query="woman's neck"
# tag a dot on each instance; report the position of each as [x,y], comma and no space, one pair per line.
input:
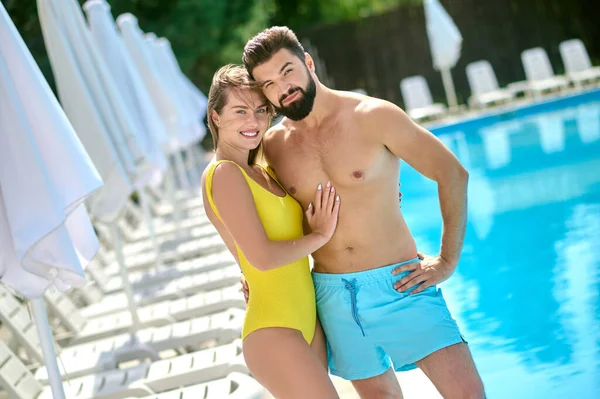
[230,154]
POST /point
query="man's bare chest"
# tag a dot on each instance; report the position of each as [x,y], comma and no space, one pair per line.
[347,163]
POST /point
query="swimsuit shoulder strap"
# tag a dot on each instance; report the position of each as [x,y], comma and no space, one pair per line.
[209,181]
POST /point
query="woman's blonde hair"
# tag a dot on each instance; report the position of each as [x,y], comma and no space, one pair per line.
[227,78]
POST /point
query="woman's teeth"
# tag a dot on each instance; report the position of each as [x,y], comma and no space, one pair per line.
[250,134]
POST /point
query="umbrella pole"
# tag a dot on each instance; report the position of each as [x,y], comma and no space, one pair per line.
[145,202]
[184,182]
[195,165]
[40,317]
[170,186]
[449,88]
[118,245]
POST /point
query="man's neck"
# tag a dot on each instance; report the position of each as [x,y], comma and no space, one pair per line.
[324,106]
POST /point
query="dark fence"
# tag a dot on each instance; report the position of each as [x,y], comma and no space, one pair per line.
[375,53]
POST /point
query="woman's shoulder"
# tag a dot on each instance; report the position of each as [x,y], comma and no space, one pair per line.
[224,174]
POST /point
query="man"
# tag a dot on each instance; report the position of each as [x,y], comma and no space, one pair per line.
[373,315]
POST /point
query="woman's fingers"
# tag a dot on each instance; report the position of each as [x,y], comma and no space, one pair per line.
[330,200]
[336,206]
[318,197]
[326,195]
[310,211]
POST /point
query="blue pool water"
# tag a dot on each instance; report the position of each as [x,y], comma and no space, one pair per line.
[527,291]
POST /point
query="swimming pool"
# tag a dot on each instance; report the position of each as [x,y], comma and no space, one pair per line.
[527,291]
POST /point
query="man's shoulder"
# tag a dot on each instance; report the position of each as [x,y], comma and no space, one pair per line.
[371,107]
[275,133]
[374,116]
[365,107]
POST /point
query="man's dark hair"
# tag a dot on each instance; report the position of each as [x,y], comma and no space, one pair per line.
[261,47]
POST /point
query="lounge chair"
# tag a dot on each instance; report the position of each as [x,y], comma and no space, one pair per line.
[87,329]
[141,380]
[235,386]
[109,281]
[539,72]
[418,101]
[100,303]
[577,62]
[484,85]
[179,252]
[106,354]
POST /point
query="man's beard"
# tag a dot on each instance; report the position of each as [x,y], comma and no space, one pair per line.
[301,107]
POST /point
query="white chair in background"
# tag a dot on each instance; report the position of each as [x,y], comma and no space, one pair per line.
[100,303]
[167,313]
[223,366]
[578,66]
[539,72]
[484,85]
[235,386]
[418,101]
[108,281]
[108,354]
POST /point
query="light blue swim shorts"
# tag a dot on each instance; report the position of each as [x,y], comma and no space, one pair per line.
[370,326]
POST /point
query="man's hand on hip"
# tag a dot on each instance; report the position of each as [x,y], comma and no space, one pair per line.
[245,289]
[431,270]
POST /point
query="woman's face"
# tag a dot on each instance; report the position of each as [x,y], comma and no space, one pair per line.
[243,120]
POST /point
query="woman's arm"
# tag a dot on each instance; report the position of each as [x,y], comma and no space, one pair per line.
[235,203]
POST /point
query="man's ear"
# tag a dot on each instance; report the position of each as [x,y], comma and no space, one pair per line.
[310,63]
[215,117]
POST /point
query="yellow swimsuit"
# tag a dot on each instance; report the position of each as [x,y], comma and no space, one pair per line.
[284,296]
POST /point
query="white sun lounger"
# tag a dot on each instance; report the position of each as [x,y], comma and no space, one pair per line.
[417,99]
[93,328]
[141,380]
[107,353]
[182,251]
[100,303]
[185,200]
[165,208]
[539,72]
[109,280]
[484,85]
[577,62]
[144,245]
[235,386]
[162,226]
[197,228]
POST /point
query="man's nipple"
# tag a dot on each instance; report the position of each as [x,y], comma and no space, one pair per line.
[358,174]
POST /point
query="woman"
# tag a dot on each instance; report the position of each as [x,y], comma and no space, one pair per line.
[283,344]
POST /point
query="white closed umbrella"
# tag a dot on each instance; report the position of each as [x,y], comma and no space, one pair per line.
[162,98]
[192,128]
[146,65]
[168,76]
[185,125]
[79,100]
[445,42]
[97,111]
[137,100]
[139,108]
[194,100]
[46,237]
[197,99]
[161,95]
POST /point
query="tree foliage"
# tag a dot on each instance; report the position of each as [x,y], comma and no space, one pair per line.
[206,34]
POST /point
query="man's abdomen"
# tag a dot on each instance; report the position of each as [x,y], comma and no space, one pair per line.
[366,239]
